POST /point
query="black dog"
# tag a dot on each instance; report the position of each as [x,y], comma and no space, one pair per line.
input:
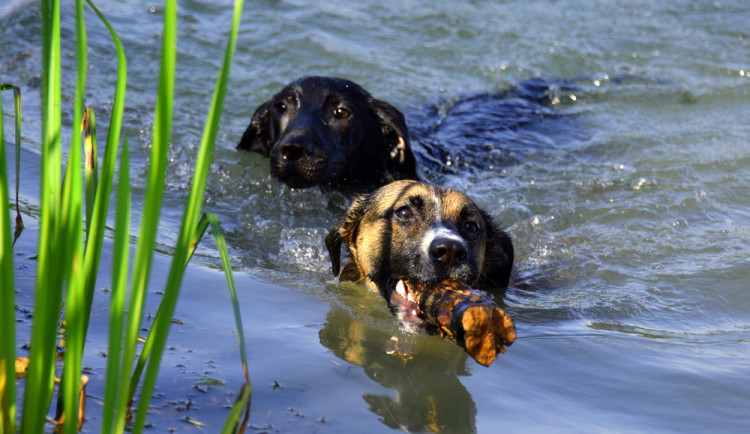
[323,130]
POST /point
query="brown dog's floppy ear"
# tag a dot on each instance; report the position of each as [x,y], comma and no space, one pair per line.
[401,162]
[333,244]
[346,231]
[499,256]
[257,136]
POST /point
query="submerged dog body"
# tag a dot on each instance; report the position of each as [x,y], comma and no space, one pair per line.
[420,233]
[324,130]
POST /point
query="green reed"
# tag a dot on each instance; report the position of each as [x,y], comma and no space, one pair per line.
[67,264]
[7,298]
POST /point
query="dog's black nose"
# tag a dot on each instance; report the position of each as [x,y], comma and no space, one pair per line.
[447,252]
[294,151]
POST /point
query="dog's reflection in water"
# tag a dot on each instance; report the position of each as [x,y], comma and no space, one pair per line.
[422,370]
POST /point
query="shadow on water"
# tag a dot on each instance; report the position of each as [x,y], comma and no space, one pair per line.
[422,371]
[428,394]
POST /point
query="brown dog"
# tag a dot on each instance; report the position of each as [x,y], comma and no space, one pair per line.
[412,231]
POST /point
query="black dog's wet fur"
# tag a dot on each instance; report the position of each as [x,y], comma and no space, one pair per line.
[330,131]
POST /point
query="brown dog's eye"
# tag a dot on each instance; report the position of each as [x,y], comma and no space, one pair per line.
[471,227]
[404,212]
[341,113]
[280,107]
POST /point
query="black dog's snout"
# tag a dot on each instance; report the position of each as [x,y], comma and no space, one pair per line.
[295,151]
[448,252]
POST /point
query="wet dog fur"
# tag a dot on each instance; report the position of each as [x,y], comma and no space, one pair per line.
[330,131]
[409,230]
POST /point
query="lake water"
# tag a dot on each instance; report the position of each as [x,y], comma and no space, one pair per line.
[631,218]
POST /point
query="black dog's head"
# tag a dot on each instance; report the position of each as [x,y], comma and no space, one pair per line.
[420,233]
[323,130]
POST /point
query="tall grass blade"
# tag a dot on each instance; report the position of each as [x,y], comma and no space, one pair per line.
[88,125]
[17,112]
[17,107]
[221,245]
[120,262]
[97,219]
[233,420]
[97,216]
[7,300]
[71,226]
[192,209]
[152,206]
[135,379]
[39,380]
[120,352]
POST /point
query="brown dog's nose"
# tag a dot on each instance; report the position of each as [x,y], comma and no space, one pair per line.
[447,252]
[294,151]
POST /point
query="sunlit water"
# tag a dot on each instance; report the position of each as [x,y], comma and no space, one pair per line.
[629,213]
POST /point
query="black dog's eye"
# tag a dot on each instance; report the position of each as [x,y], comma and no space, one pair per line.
[341,113]
[471,227]
[405,213]
[281,107]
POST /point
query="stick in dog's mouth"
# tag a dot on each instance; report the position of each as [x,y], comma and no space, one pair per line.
[467,316]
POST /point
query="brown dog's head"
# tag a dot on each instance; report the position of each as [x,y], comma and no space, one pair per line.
[409,230]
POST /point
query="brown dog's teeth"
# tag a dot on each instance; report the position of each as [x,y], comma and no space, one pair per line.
[401,288]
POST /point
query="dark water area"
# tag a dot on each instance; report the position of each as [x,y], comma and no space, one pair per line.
[609,139]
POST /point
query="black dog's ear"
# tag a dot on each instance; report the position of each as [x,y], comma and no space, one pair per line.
[346,231]
[401,162]
[499,256]
[257,136]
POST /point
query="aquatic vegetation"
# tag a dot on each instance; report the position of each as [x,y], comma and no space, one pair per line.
[68,262]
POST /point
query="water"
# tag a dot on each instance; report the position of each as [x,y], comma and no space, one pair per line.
[629,214]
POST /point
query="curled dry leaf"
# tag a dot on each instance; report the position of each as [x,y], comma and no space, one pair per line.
[22,365]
